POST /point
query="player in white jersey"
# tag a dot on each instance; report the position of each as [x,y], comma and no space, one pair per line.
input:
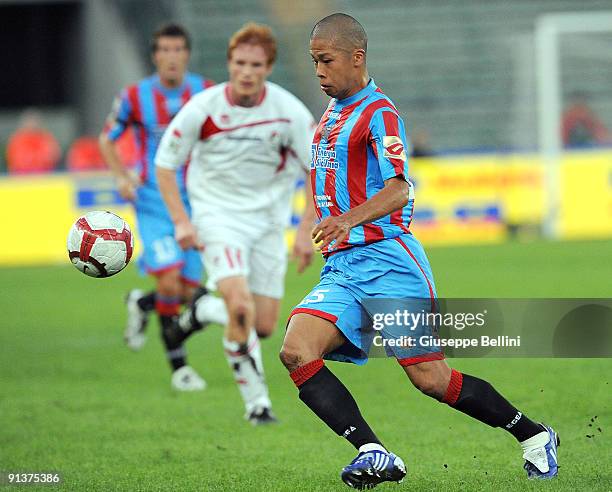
[249,141]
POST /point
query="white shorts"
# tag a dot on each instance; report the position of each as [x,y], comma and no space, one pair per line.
[250,248]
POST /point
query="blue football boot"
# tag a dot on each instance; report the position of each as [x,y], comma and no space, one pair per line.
[372,467]
[541,463]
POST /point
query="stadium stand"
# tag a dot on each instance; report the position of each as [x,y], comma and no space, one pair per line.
[463,71]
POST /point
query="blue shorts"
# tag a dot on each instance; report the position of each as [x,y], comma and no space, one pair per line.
[391,269]
[161,251]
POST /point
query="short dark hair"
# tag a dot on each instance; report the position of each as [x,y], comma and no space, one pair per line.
[170,30]
[343,30]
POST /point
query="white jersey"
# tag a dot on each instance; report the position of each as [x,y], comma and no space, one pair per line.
[243,159]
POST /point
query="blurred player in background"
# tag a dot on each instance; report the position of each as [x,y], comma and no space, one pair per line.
[250,140]
[32,148]
[580,125]
[365,202]
[148,107]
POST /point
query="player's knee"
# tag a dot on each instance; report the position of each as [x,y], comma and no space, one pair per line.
[295,353]
[240,308]
[168,284]
[264,333]
[290,356]
[265,327]
[168,290]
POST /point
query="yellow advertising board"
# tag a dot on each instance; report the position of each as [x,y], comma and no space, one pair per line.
[459,199]
[474,199]
[585,208]
[37,213]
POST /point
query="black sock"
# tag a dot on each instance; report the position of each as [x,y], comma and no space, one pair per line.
[191,330]
[147,302]
[173,337]
[478,399]
[189,324]
[329,399]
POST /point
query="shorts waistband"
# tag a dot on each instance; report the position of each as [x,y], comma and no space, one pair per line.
[356,247]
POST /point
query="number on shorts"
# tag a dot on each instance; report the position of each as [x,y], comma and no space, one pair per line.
[316,296]
[164,249]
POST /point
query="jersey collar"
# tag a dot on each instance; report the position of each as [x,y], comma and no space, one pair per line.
[167,90]
[228,97]
[362,94]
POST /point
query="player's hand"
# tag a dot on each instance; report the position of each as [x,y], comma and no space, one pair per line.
[302,249]
[127,186]
[330,229]
[186,235]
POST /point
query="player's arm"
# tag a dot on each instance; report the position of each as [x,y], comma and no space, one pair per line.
[392,197]
[184,231]
[115,126]
[301,139]
[387,141]
[173,150]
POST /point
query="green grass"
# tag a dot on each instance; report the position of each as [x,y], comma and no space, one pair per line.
[73,399]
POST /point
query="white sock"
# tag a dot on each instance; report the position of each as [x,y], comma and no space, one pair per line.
[534,451]
[247,366]
[538,441]
[372,446]
[211,309]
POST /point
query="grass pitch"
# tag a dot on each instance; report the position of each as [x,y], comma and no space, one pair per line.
[74,400]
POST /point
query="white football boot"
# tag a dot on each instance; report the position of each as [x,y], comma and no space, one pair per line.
[134,335]
[186,379]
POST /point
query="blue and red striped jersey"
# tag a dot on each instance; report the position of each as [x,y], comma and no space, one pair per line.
[359,144]
[149,107]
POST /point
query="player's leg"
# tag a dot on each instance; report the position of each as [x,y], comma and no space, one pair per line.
[267,262]
[226,262]
[267,269]
[244,358]
[468,394]
[167,304]
[139,307]
[327,323]
[202,308]
[228,245]
[308,339]
[188,290]
[243,350]
[480,400]
[163,258]
[267,310]
[191,275]
[472,396]
[138,303]
[250,278]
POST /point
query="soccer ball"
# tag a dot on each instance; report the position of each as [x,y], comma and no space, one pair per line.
[100,244]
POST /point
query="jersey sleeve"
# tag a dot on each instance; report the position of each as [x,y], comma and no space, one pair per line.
[303,129]
[388,142]
[180,137]
[119,118]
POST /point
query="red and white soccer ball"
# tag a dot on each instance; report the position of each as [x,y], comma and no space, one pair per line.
[100,244]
